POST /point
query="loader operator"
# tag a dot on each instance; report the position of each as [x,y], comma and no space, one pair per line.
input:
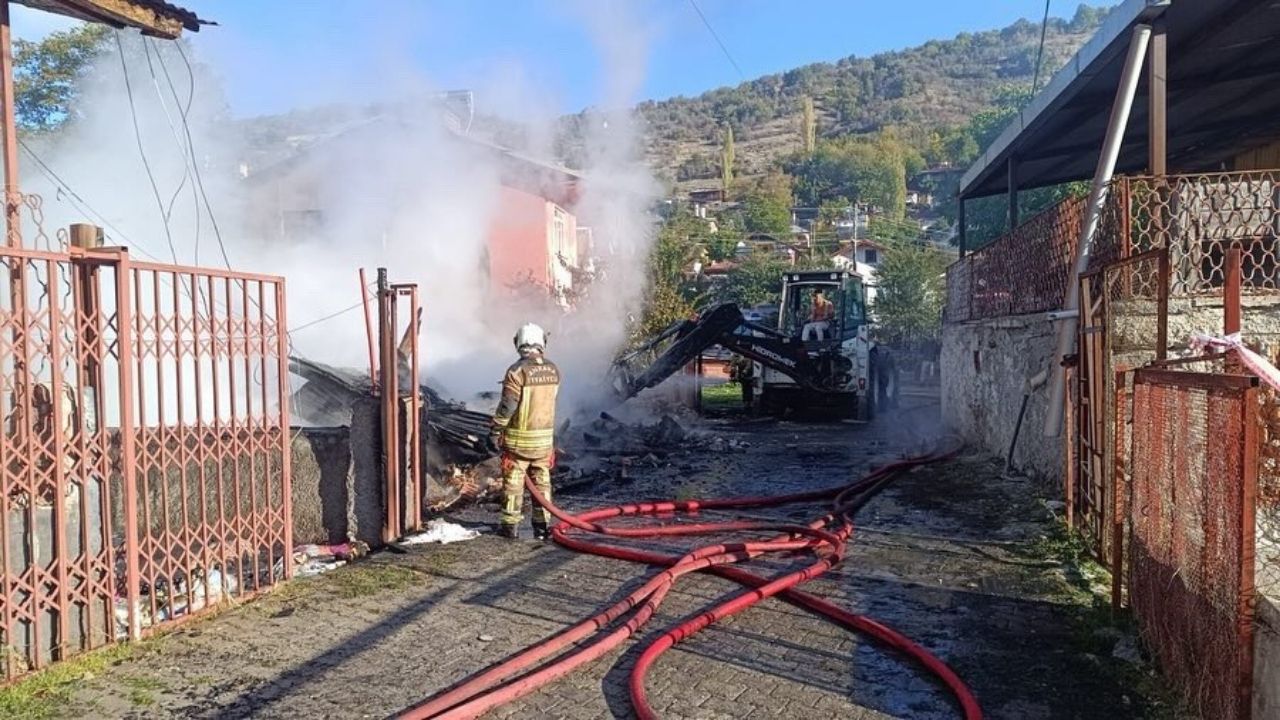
[820,317]
[524,428]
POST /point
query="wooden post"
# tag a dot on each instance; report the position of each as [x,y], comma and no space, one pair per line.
[85,236]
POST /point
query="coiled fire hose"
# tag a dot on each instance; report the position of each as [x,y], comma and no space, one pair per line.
[825,539]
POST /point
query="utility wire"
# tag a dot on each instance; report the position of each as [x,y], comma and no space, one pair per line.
[137,134]
[719,42]
[195,164]
[1044,26]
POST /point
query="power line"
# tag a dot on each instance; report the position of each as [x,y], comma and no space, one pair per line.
[1044,26]
[137,134]
[719,42]
[195,164]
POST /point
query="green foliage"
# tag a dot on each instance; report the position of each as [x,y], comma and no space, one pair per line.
[766,205]
[867,170]
[909,293]
[757,279]
[46,75]
[935,87]
[669,297]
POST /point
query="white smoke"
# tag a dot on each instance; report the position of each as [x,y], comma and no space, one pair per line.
[395,188]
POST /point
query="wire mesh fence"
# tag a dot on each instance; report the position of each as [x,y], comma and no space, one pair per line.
[1192,535]
[1023,271]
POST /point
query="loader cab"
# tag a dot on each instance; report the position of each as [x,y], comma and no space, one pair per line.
[843,289]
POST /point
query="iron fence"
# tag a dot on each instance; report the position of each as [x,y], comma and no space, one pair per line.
[1198,218]
[1192,532]
[144,457]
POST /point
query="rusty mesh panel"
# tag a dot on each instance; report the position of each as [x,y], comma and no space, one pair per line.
[958,308]
[1268,550]
[1198,217]
[1023,271]
[1192,534]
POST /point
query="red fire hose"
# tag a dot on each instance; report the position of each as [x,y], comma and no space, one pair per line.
[825,539]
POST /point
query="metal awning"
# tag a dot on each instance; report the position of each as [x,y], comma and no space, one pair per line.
[1223,97]
[153,17]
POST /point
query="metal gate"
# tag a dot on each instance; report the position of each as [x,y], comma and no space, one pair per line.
[144,455]
[1192,539]
[1123,325]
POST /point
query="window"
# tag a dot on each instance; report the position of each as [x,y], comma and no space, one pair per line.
[870,256]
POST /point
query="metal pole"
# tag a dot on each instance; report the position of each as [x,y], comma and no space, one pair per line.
[13,229]
[1125,92]
[1157,100]
[368,327]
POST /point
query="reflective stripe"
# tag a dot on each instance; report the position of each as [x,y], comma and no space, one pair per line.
[526,439]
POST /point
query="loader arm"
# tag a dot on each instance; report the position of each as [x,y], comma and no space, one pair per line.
[714,327]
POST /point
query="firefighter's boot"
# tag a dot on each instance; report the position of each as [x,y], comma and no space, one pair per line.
[509,531]
[540,530]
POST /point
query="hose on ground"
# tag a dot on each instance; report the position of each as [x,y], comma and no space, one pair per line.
[824,539]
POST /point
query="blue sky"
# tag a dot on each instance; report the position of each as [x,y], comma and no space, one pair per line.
[544,55]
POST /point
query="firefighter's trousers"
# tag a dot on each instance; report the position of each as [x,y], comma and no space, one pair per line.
[515,468]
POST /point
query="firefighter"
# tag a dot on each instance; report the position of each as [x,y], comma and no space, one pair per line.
[524,428]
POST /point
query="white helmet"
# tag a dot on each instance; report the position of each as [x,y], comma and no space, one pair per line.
[530,336]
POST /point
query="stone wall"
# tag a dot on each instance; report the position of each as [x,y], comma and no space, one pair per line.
[985,365]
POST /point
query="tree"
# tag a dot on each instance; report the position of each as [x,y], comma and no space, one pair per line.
[726,158]
[909,293]
[870,170]
[669,298]
[766,205]
[756,280]
[46,75]
[809,127]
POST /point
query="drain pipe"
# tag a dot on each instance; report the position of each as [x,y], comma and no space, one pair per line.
[1035,382]
[1097,196]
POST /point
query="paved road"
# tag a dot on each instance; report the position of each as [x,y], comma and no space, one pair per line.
[950,555]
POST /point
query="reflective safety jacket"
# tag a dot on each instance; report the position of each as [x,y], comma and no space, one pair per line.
[526,415]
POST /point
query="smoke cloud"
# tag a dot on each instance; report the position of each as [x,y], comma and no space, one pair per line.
[392,185]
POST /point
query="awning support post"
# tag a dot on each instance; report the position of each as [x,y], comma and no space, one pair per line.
[1120,109]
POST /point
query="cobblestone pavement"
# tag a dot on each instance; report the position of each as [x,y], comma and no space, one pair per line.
[953,556]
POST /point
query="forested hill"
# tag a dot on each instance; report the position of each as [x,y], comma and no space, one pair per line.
[922,92]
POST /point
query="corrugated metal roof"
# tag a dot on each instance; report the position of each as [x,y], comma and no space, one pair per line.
[1223,64]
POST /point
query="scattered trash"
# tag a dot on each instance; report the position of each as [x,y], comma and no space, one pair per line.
[313,567]
[441,531]
[485,638]
[718,445]
[311,560]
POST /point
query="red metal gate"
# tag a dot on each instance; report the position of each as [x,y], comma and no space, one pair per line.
[1192,529]
[144,457]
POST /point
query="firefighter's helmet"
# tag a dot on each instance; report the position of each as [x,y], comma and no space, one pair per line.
[530,336]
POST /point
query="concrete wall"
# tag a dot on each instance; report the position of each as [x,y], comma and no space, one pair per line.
[337,481]
[984,367]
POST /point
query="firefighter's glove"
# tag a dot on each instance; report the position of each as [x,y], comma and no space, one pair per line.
[495,443]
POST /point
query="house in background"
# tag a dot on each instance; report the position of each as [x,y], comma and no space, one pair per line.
[535,244]
[862,258]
